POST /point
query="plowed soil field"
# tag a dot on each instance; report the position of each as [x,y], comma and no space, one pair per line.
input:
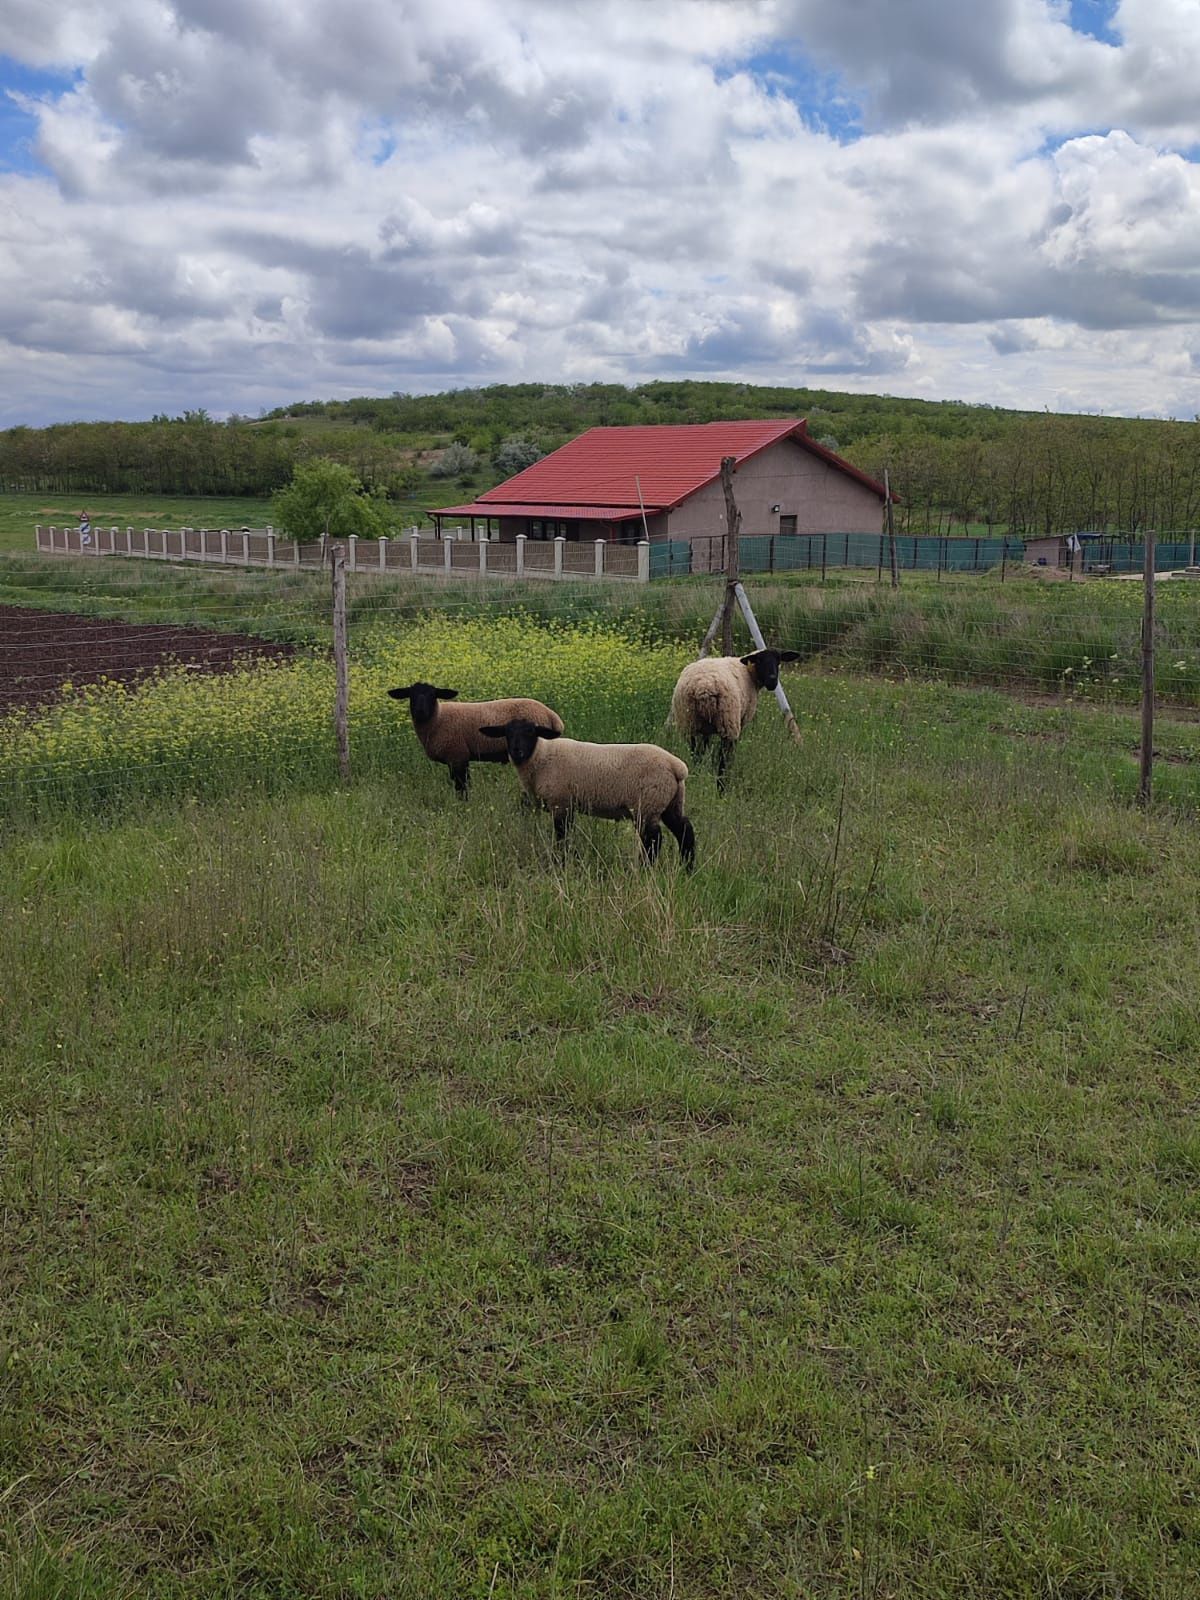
[42,650]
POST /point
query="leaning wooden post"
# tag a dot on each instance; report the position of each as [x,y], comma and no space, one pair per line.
[733,529]
[761,644]
[341,703]
[1147,756]
[891,529]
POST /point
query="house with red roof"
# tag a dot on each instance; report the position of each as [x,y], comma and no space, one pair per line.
[664,482]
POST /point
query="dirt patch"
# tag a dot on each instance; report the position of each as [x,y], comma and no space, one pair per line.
[42,650]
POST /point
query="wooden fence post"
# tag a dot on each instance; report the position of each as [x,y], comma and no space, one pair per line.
[341,702]
[733,537]
[1146,777]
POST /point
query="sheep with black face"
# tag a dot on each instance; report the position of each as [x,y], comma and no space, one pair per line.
[453,734]
[639,783]
[718,696]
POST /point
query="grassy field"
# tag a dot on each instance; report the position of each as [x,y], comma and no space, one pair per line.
[392,1208]
[1076,641]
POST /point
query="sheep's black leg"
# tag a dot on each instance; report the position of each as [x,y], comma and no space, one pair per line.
[651,837]
[724,754]
[698,744]
[562,826]
[685,834]
[460,777]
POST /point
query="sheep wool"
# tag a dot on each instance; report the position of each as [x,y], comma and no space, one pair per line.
[450,733]
[638,782]
[718,695]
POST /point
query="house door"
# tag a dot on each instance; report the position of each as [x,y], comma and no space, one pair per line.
[787,525]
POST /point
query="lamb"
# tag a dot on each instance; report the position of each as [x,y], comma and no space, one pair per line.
[454,736]
[641,783]
[718,696]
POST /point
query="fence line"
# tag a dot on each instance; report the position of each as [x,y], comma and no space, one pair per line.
[412,552]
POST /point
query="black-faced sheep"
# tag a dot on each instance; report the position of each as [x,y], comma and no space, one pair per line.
[453,734]
[717,698]
[640,783]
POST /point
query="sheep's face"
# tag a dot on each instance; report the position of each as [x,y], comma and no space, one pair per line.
[422,699]
[521,738]
[765,664]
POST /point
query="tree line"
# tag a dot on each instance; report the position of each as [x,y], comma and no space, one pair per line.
[954,466]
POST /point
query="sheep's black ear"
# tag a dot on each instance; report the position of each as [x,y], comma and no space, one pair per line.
[494,732]
[789,655]
[747,661]
[446,694]
[399,694]
[547,733]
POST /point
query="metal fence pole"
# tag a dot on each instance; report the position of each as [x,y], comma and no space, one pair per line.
[341,702]
[1147,754]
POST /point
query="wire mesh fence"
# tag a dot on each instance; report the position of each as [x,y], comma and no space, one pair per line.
[123,679]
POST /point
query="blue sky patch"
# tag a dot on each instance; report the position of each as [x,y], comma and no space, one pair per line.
[18,127]
[1094,17]
[821,98]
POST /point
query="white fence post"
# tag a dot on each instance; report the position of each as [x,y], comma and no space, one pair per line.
[521,555]
[447,548]
[352,541]
[224,546]
[483,557]
[245,547]
[559,546]
[270,547]
[383,547]
[414,549]
[599,558]
[128,541]
[643,551]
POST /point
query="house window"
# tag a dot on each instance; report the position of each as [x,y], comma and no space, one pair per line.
[787,524]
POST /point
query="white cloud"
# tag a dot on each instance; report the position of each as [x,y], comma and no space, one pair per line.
[245,201]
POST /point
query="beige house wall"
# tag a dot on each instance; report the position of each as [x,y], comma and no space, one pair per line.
[820,497]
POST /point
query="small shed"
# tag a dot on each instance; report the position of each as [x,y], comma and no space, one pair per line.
[1066,552]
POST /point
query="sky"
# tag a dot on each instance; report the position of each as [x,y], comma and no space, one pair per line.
[234,204]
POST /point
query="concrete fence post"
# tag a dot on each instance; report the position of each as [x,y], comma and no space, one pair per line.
[383,549]
[599,558]
[414,549]
[128,541]
[521,555]
[270,548]
[559,546]
[295,552]
[483,558]
[352,562]
[643,551]
[245,547]
[224,545]
[447,549]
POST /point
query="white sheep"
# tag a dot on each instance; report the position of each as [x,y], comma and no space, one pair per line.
[453,734]
[640,783]
[717,697]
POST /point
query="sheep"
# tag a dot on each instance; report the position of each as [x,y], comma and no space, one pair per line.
[453,735]
[641,783]
[718,696]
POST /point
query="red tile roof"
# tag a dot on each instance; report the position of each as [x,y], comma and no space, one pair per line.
[604,467]
[513,508]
